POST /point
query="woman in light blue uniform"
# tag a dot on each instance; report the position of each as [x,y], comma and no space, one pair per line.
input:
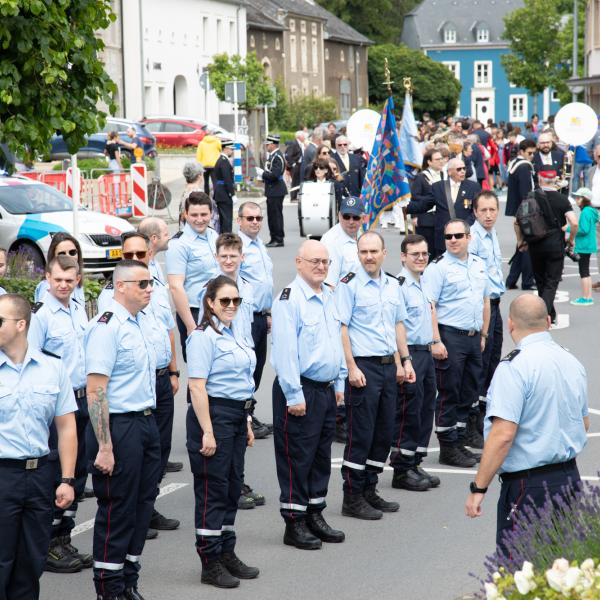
[220,375]
[63,244]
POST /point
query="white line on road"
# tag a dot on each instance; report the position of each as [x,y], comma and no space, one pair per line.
[594,411]
[166,489]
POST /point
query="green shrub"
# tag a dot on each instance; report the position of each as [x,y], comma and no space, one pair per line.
[24,287]
[92,168]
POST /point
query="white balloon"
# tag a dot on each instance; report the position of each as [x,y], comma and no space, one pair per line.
[362,128]
[576,123]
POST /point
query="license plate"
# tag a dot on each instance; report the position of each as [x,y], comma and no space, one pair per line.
[116,253]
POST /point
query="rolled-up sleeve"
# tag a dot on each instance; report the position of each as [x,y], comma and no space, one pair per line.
[200,348]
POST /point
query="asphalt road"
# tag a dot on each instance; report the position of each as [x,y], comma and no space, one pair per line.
[425,551]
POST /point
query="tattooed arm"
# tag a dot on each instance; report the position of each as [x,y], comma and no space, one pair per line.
[99,418]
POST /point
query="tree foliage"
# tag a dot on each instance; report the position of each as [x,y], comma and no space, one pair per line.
[51,78]
[435,89]
[226,68]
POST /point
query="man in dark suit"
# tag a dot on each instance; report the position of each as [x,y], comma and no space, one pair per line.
[293,159]
[224,187]
[351,165]
[477,159]
[275,190]
[453,199]
[310,153]
[548,157]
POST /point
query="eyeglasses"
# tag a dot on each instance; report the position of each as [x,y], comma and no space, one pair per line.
[347,217]
[461,168]
[2,319]
[225,302]
[140,254]
[418,254]
[323,152]
[315,262]
[142,283]
[456,236]
[342,144]
[321,168]
[72,252]
[250,219]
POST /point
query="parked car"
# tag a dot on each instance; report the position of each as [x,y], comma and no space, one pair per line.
[30,212]
[95,143]
[8,161]
[174,131]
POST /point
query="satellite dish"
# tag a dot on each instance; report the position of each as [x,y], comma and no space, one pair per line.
[361,128]
[576,123]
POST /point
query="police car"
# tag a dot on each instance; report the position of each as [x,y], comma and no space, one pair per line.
[31,212]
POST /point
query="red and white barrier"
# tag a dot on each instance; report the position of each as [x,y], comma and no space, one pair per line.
[139,190]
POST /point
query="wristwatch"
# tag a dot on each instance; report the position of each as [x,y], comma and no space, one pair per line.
[174,374]
[68,480]
[477,490]
[403,359]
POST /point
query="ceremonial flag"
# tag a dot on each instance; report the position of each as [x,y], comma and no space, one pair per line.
[409,137]
[386,182]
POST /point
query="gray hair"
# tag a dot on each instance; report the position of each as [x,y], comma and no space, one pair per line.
[192,170]
[317,134]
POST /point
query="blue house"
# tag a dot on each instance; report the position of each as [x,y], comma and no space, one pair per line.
[465,36]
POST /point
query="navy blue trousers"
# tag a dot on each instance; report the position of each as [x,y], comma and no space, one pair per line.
[458,381]
[520,266]
[259,336]
[370,413]
[26,501]
[183,332]
[218,478]
[414,414]
[303,449]
[493,348]
[165,408]
[125,500]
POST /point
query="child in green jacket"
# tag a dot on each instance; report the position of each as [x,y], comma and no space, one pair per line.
[585,243]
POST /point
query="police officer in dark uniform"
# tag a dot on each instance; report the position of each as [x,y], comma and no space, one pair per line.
[371,308]
[308,359]
[220,371]
[275,190]
[224,186]
[36,391]
[122,441]
[58,325]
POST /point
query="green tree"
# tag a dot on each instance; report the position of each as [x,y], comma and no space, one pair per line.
[51,78]
[226,68]
[436,90]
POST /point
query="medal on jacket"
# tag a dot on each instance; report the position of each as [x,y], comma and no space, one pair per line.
[467,203]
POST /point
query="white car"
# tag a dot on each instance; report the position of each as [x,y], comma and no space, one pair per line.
[31,212]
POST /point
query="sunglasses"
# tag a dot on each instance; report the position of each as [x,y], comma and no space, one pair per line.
[461,168]
[347,217]
[456,236]
[2,319]
[142,283]
[323,152]
[72,252]
[321,168]
[225,302]
[250,219]
[129,255]
[341,145]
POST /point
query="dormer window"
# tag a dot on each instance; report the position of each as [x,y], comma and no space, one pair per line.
[483,34]
[449,34]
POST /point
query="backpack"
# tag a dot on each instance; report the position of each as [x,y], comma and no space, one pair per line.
[532,217]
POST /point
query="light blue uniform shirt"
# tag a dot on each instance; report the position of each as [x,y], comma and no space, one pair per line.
[193,255]
[458,289]
[120,350]
[370,308]
[418,325]
[31,395]
[306,339]
[61,330]
[257,269]
[343,253]
[161,287]
[485,245]
[225,362]
[42,289]
[242,322]
[543,389]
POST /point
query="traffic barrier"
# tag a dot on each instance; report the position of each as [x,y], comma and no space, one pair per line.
[139,190]
[113,194]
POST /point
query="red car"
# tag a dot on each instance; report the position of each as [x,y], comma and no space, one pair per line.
[174,131]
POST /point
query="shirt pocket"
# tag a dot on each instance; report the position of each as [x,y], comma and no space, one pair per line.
[368,309]
[43,400]
[8,404]
[202,258]
[57,341]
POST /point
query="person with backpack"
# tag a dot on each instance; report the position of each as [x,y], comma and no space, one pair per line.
[539,226]
[585,244]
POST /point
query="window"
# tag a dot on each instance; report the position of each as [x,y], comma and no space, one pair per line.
[305,86]
[294,92]
[204,34]
[517,107]
[554,96]
[358,57]
[342,56]
[315,91]
[293,54]
[454,67]
[292,25]
[450,35]
[351,58]
[304,54]
[232,34]
[277,44]
[345,98]
[153,127]
[483,34]
[315,56]
[313,28]
[264,41]
[252,42]
[302,26]
[483,73]
[219,35]
[326,53]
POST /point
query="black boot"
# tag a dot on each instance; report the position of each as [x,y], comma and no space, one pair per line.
[132,593]
[410,480]
[151,534]
[215,573]
[87,560]
[473,455]
[319,527]
[162,523]
[434,481]
[451,455]
[237,568]
[173,467]
[297,534]
[257,498]
[59,559]
[259,429]
[377,502]
[473,438]
[356,506]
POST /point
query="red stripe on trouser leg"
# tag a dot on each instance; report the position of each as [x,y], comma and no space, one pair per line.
[107,533]
[287,454]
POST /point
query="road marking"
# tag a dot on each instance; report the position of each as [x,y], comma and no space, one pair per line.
[166,489]
[562,322]
[594,411]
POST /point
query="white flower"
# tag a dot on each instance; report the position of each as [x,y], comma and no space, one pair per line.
[496,577]
[491,592]
[560,564]
[523,583]
[555,579]
[587,565]
[528,570]
[571,578]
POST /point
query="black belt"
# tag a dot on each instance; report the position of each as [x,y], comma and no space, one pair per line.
[382,360]
[262,313]
[563,466]
[241,404]
[161,372]
[494,301]
[133,413]
[419,348]
[319,384]
[80,393]
[468,332]
[26,463]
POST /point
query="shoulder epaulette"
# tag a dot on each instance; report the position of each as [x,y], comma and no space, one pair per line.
[109,286]
[348,277]
[401,279]
[36,307]
[285,294]
[48,353]
[390,275]
[202,326]
[511,355]
[438,258]
[177,235]
[106,317]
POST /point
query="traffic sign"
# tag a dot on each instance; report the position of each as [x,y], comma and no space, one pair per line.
[235,92]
